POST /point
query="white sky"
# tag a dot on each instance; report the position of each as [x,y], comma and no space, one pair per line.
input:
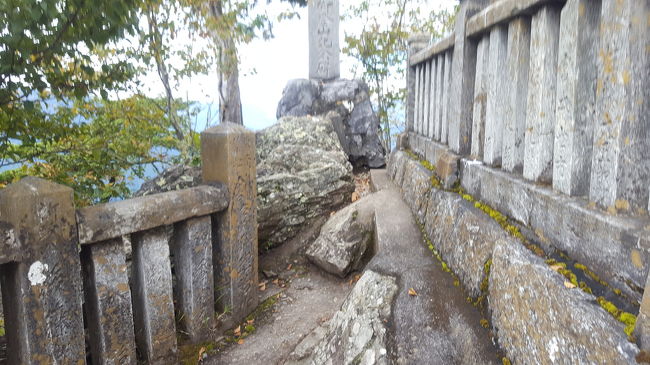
[274,62]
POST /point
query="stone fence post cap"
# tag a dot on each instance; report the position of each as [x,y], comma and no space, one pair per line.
[31,186]
[227,128]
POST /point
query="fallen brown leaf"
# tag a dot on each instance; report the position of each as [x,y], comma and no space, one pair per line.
[556,267]
[241,341]
[250,321]
[355,196]
[412,292]
[237,331]
[569,285]
[201,352]
[289,267]
[262,286]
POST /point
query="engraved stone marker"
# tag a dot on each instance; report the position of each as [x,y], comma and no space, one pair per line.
[324,39]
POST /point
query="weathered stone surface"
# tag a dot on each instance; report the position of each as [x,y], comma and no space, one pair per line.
[194,289]
[444,128]
[540,117]
[642,326]
[463,235]
[540,321]
[418,104]
[357,125]
[153,302]
[463,69]
[415,43]
[500,11]
[415,186]
[344,240]
[514,122]
[616,248]
[576,96]
[445,162]
[497,94]
[108,303]
[42,291]
[228,156]
[481,86]
[440,74]
[358,333]
[324,39]
[428,105]
[621,155]
[111,220]
[303,173]
[433,96]
[177,177]
[429,50]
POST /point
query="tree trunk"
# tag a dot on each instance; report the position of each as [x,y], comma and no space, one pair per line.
[230,109]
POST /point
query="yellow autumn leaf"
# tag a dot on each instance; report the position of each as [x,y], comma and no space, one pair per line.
[412,292]
[569,285]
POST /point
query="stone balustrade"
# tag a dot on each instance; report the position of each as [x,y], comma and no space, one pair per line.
[68,288]
[555,91]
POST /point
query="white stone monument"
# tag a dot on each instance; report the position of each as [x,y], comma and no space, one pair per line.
[324,39]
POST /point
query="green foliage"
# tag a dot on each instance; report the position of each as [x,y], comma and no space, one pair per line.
[381,49]
[102,143]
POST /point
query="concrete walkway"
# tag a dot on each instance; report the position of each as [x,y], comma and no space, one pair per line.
[438,325]
[434,326]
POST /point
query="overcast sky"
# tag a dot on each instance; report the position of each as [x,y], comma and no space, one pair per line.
[266,66]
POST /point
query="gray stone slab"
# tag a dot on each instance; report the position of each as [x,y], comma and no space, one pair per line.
[444,128]
[428,82]
[111,220]
[616,248]
[540,117]
[42,292]
[440,73]
[497,93]
[621,153]
[194,290]
[576,96]
[228,156]
[324,39]
[433,95]
[540,321]
[514,122]
[440,47]
[153,301]
[462,85]
[108,303]
[480,97]
[415,43]
[642,326]
[500,11]
[418,100]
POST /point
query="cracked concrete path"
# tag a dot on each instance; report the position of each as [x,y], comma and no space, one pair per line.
[438,325]
[435,326]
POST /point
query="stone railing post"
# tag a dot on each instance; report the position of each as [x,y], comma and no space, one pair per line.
[42,286]
[228,155]
[463,70]
[416,43]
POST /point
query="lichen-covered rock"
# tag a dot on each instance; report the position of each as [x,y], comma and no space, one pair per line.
[343,241]
[174,178]
[355,122]
[302,173]
[358,332]
[540,321]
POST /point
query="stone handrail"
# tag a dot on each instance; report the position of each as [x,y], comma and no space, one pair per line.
[194,254]
[527,86]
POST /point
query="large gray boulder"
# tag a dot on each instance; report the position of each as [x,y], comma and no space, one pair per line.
[348,104]
[344,240]
[302,174]
[358,332]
